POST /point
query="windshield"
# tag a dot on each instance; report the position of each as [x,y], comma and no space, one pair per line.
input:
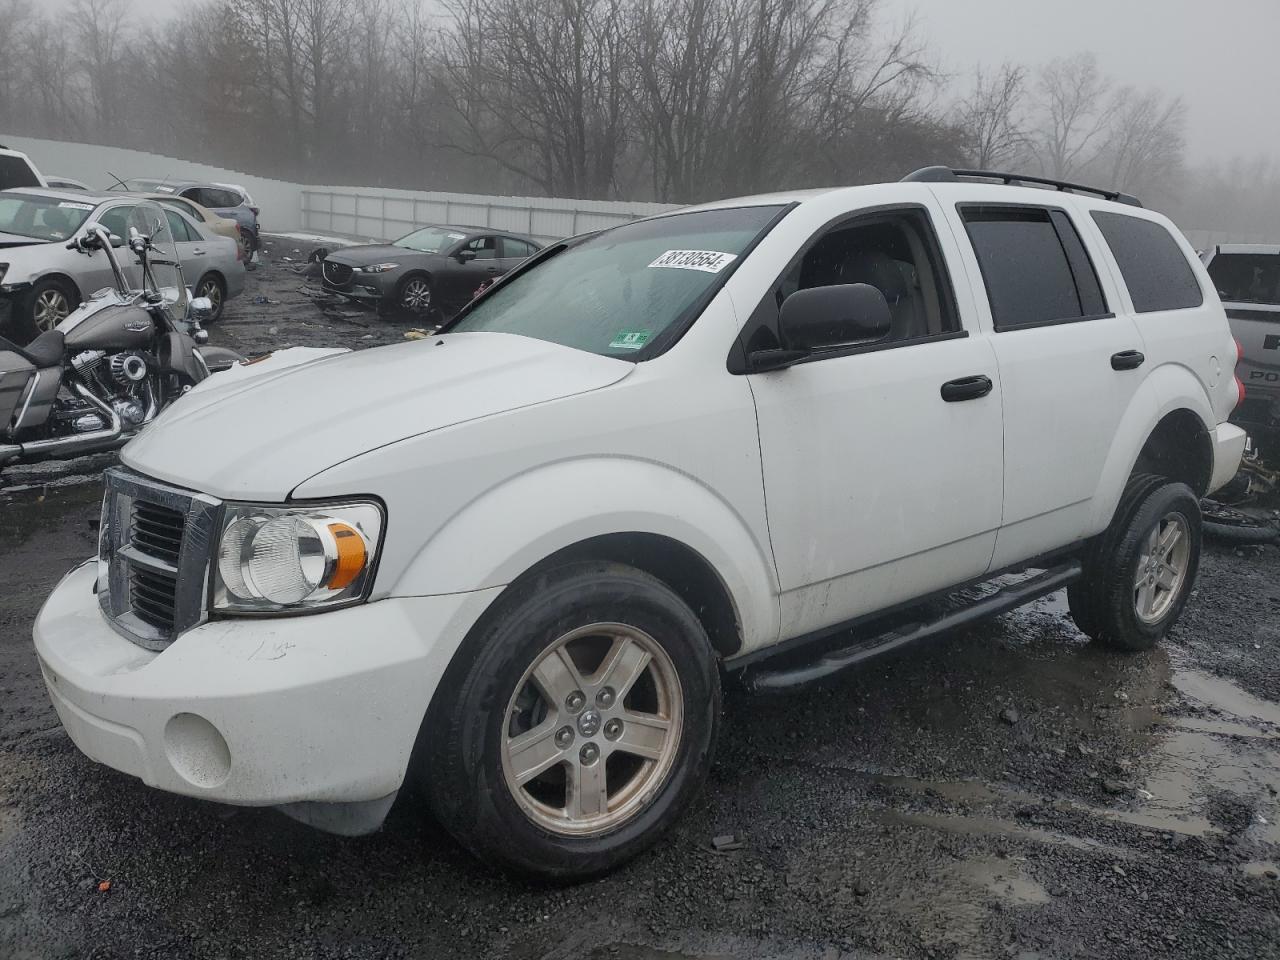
[41,218]
[1247,277]
[430,240]
[619,291]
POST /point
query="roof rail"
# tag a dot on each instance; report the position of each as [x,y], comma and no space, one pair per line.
[949,175]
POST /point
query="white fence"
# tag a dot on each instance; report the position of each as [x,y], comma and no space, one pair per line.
[360,212]
[386,214]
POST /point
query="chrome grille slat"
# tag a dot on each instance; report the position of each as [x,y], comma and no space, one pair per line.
[154,555]
[336,274]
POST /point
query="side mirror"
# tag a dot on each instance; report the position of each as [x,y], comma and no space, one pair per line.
[821,318]
[465,256]
[200,310]
[117,241]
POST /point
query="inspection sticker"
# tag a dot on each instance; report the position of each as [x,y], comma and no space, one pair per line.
[68,205]
[708,261]
[630,340]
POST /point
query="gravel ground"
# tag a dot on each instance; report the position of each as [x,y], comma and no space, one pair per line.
[1009,791]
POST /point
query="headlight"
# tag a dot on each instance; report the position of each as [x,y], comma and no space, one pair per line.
[296,558]
[377,268]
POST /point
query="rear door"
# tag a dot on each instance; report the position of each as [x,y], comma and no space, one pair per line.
[458,284]
[1066,348]
[191,248]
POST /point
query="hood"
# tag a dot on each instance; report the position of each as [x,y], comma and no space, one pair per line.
[14,240]
[383,253]
[258,438]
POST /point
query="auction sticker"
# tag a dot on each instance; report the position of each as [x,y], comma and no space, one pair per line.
[67,205]
[630,340]
[708,261]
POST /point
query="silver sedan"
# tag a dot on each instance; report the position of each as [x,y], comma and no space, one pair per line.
[41,281]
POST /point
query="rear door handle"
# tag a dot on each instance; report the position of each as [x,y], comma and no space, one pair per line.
[1127,360]
[966,388]
[197,253]
[493,269]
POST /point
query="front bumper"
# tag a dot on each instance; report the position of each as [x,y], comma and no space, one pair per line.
[287,711]
[1228,448]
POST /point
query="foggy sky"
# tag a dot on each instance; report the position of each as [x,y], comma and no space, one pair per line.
[1221,56]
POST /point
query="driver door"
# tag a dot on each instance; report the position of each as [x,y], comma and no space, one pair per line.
[879,488]
[462,279]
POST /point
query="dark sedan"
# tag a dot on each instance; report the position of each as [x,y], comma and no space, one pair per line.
[434,268]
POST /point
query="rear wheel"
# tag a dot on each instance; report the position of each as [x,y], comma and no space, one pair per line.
[211,286]
[248,244]
[46,305]
[1139,573]
[580,726]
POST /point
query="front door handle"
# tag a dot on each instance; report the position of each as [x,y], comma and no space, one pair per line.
[966,388]
[1127,360]
[197,253]
[493,269]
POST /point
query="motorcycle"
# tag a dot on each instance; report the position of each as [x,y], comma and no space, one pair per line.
[107,370]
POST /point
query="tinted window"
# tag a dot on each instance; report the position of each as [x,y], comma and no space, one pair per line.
[485,248]
[190,209]
[517,249]
[1247,277]
[1034,265]
[16,172]
[1151,262]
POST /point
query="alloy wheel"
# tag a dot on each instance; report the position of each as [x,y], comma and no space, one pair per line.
[50,309]
[592,730]
[1162,567]
[213,291]
[416,296]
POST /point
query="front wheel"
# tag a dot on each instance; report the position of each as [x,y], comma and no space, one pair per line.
[1141,570]
[413,296]
[47,304]
[577,725]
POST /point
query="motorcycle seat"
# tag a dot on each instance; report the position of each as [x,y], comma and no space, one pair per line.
[44,351]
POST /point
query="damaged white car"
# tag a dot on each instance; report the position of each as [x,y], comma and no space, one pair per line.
[513,560]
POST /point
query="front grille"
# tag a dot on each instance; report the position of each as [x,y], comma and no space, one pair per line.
[153,558]
[336,274]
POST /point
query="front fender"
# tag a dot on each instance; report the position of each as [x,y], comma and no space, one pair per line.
[500,534]
[1167,388]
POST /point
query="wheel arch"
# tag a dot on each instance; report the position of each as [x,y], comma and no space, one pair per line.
[629,511]
[62,277]
[1167,430]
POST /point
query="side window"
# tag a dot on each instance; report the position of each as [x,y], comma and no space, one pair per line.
[1034,265]
[895,251]
[513,249]
[178,227]
[1151,262]
[116,220]
[191,210]
[485,248]
[226,198]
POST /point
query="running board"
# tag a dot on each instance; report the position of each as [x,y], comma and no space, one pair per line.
[1001,601]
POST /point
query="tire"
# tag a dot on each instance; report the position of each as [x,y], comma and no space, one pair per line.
[43,307]
[482,729]
[1131,595]
[213,287]
[409,297]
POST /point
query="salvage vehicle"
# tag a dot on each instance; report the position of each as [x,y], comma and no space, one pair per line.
[43,278]
[225,199]
[432,268]
[208,220]
[113,364]
[774,436]
[1247,278]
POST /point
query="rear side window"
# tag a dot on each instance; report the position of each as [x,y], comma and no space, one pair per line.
[1034,265]
[16,172]
[1247,277]
[1153,265]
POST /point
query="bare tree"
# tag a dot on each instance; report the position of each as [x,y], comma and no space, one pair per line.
[1146,139]
[1075,113]
[992,118]
[101,28]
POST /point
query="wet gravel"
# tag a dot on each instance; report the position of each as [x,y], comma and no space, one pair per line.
[1010,791]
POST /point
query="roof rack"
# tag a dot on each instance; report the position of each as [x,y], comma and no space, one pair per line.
[949,175]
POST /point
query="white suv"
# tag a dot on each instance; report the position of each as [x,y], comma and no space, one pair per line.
[513,560]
